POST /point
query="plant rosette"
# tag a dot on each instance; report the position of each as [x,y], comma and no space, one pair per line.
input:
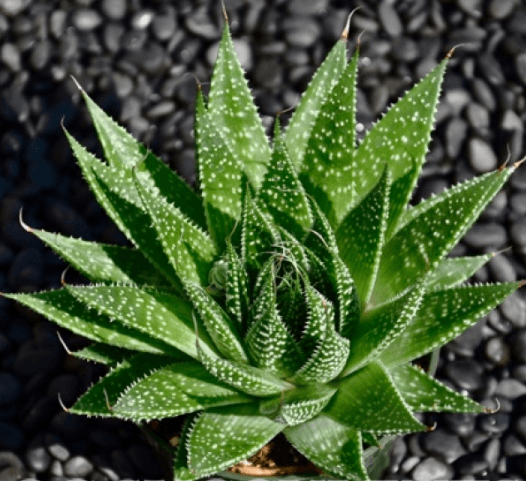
[291,291]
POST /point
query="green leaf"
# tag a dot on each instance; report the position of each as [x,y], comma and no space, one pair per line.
[157,313]
[248,379]
[100,398]
[330,355]
[237,299]
[369,401]
[182,472]
[453,271]
[232,110]
[259,234]
[160,396]
[62,308]
[378,328]
[220,176]
[332,446]
[401,138]
[116,193]
[305,115]
[328,174]
[361,237]
[304,403]
[282,192]
[103,353]
[103,262]
[348,302]
[189,249]
[124,152]
[423,393]
[223,436]
[268,340]
[219,326]
[429,231]
[444,315]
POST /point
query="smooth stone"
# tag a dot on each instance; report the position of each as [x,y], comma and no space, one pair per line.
[456,130]
[484,94]
[511,388]
[78,466]
[501,9]
[10,55]
[111,36]
[10,388]
[496,350]
[472,463]
[502,269]
[86,19]
[494,423]
[490,69]
[13,7]
[492,452]
[243,52]
[465,373]
[478,117]
[301,31]
[457,99]
[37,361]
[519,426]
[114,9]
[308,7]
[390,19]
[37,456]
[520,66]
[514,309]
[199,24]
[431,469]
[55,446]
[443,444]
[517,342]
[11,467]
[518,231]
[519,373]
[164,24]
[490,235]
[142,19]
[481,156]
[513,446]
[461,424]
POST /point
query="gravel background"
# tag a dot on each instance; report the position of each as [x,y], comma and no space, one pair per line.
[132,57]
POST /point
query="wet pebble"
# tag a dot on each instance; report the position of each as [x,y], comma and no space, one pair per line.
[461,424]
[494,423]
[472,463]
[520,66]
[518,231]
[513,446]
[455,136]
[481,156]
[390,19]
[86,19]
[482,235]
[56,447]
[37,456]
[517,343]
[496,350]
[164,25]
[308,7]
[199,24]
[514,310]
[11,466]
[78,467]
[301,31]
[443,444]
[511,388]
[10,55]
[502,269]
[431,469]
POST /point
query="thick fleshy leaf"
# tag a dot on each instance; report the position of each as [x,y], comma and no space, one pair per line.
[103,353]
[333,447]
[157,313]
[100,398]
[223,436]
[221,329]
[361,237]
[282,193]
[453,271]
[62,308]
[220,176]
[103,262]
[444,315]
[401,138]
[248,379]
[124,152]
[116,193]
[182,471]
[329,357]
[378,328]
[159,395]
[423,393]
[305,115]
[259,234]
[429,232]
[327,172]
[268,340]
[236,289]
[347,294]
[232,111]
[189,249]
[304,403]
[368,400]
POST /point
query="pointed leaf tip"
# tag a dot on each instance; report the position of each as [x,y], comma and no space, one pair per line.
[345,34]
[22,223]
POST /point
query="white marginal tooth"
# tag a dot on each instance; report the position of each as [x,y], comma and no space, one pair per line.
[22,223]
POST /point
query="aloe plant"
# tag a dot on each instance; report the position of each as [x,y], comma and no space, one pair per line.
[291,292]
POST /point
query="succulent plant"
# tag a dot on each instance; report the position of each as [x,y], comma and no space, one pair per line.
[291,291]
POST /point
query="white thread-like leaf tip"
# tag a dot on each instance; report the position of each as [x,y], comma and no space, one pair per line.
[22,223]
[77,84]
[345,34]
[64,408]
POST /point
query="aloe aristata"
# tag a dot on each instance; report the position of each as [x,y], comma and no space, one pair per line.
[291,291]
